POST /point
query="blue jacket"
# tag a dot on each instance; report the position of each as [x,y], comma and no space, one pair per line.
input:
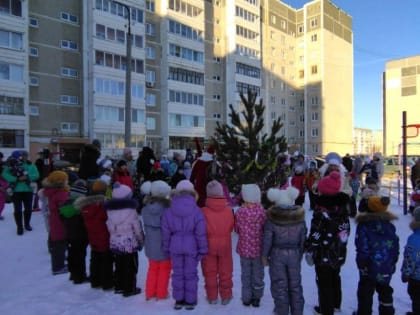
[377,245]
[410,268]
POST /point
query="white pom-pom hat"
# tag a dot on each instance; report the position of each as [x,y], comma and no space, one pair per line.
[283,197]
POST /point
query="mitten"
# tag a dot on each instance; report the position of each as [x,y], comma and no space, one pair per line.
[309,259]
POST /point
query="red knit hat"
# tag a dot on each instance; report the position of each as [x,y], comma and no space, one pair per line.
[330,185]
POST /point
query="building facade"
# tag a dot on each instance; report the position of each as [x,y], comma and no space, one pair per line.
[401,92]
[189,61]
[367,141]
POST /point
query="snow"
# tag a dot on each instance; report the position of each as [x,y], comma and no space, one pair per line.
[28,287]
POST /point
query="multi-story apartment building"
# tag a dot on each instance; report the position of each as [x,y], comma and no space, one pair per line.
[190,59]
[366,141]
[401,92]
[56,77]
[14,93]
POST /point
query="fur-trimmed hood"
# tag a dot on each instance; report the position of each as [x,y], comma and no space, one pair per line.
[58,185]
[284,216]
[175,192]
[82,202]
[373,216]
[152,199]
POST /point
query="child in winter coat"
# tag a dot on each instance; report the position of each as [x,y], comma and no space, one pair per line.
[410,269]
[122,175]
[57,192]
[217,265]
[298,181]
[3,191]
[185,242]
[94,217]
[249,224]
[415,197]
[311,176]
[326,245]
[76,233]
[283,246]
[377,251]
[126,238]
[371,189]
[156,201]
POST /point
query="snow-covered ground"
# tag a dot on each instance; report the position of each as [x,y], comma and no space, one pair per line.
[27,286]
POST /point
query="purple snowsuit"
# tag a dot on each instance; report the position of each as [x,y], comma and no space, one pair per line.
[185,240]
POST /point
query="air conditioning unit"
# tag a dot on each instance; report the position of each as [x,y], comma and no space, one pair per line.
[150,84]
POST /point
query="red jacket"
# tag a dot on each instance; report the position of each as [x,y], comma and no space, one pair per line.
[297,182]
[94,216]
[123,177]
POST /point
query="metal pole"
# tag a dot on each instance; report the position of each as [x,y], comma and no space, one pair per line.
[404,159]
[127,134]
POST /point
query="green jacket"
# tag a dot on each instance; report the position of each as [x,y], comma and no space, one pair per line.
[21,186]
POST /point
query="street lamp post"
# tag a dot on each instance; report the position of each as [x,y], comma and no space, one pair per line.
[127,135]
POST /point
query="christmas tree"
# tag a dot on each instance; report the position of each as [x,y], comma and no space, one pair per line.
[246,155]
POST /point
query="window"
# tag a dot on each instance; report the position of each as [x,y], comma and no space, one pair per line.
[314,100]
[186,98]
[150,99]
[314,69]
[69,127]
[273,115]
[10,105]
[150,123]
[216,116]
[315,116]
[301,133]
[150,5]
[184,8]
[11,72]
[314,38]
[138,41]
[137,116]
[69,99]
[273,19]
[150,76]
[186,53]
[184,31]
[150,52]
[100,31]
[69,72]
[247,70]
[13,7]
[283,24]
[12,138]
[216,97]
[314,132]
[69,17]
[33,22]
[33,81]
[150,29]
[301,74]
[34,110]
[33,51]
[68,44]
[301,29]
[314,22]
[10,40]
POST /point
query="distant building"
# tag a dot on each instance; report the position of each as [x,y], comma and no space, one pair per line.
[367,141]
[401,92]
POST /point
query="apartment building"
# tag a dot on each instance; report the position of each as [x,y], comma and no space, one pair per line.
[366,141]
[401,92]
[14,93]
[190,59]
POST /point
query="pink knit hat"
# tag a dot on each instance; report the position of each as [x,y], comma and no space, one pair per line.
[330,185]
[214,189]
[185,185]
[120,191]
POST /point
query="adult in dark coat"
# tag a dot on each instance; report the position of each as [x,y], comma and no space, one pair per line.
[415,173]
[145,163]
[89,168]
[348,162]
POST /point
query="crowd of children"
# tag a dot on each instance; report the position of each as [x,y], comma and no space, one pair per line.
[179,235]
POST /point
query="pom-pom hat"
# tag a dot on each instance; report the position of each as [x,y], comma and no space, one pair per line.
[120,191]
[283,197]
[330,184]
[78,189]
[146,187]
[99,187]
[333,158]
[214,189]
[378,203]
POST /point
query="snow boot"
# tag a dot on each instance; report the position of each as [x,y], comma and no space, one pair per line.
[18,220]
[27,219]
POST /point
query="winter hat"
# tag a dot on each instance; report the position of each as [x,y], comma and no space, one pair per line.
[78,189]
[333,158]
[187,165]
[159,188]
[16,154]
[214,189]
[57,177]
[145,188]
[99,187]
[185,185]
[330,184]
[378,204]
[283,197]
[121,163]
[378,155]
[251,193]
[299,169]
[120,191]
[97,143]
[105,178]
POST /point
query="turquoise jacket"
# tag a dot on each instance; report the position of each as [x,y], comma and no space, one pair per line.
[21,186]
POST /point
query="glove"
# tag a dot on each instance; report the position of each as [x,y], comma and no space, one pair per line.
[264,261]
[309,259]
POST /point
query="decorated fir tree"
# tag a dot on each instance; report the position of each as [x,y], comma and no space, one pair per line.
[245,154]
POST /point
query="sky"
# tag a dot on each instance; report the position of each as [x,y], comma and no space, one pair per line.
[27,286]
[383,30]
